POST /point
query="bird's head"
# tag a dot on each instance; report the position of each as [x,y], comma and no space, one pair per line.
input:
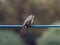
[29,19]
[31,16]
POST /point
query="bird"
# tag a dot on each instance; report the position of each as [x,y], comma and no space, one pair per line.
[26,24]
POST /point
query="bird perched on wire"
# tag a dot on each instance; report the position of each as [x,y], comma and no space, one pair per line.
[26,24]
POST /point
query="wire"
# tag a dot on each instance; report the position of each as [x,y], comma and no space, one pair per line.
[32,26]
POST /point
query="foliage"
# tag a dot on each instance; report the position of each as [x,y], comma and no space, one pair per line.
[51,36]
[10,38]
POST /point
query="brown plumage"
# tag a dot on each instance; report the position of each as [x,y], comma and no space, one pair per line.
[27,24]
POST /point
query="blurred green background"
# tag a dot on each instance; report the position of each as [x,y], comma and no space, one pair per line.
[50,37]
[16,11]
[10,38]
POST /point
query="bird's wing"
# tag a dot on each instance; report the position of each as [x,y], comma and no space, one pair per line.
[25,28]
[23,31]
[27,24]
[27,21]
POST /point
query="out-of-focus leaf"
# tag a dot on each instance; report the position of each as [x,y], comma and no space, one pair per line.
[10,9]
[10,38]
[51,36]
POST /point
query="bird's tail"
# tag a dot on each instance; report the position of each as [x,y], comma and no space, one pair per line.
[23,30]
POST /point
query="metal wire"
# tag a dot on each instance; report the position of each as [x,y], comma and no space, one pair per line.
[32,26]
